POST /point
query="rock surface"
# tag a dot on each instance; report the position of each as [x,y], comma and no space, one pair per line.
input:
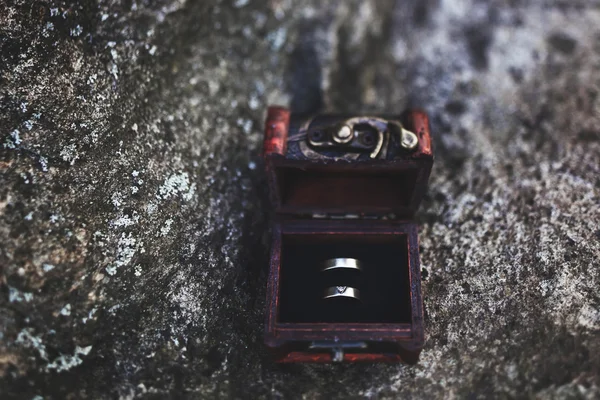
[133,214]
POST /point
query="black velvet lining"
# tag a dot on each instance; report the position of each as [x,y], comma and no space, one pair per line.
[383,281]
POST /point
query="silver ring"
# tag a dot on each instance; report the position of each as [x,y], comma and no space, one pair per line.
[342,291]
[335,263]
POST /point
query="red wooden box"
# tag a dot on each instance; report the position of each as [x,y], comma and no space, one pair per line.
[358,200]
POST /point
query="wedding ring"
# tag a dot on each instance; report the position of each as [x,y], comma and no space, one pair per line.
[335,263]
[342,291]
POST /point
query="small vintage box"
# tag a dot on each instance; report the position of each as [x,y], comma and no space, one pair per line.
[344,281]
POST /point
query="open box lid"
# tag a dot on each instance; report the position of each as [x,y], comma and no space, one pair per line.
[316,185]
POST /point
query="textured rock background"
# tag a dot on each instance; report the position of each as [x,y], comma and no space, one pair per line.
[133,223]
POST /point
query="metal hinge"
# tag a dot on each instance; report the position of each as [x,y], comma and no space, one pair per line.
[337,348]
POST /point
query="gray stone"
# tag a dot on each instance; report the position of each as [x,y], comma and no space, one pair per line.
[134,222]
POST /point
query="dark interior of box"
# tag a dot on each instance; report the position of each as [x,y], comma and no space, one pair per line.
[349,190]
[383,281]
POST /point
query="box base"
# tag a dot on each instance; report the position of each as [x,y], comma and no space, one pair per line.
[388,324]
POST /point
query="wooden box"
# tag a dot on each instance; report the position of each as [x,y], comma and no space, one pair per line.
[356,199]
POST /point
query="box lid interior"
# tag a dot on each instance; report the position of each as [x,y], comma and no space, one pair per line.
[378,188]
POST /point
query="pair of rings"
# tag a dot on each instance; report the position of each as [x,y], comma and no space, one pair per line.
[341,291]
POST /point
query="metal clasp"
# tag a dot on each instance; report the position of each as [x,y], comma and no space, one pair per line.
[337,348]
[361,134]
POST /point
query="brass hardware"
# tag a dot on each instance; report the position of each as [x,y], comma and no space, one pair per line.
[337,348]
[343,135]
[408,140]
[361,134]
